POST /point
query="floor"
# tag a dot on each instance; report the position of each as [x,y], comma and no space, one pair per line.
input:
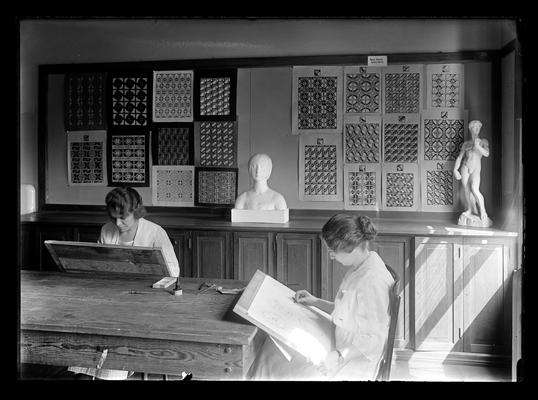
[401,371]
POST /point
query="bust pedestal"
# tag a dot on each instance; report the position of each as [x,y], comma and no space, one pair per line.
[269,216]
[474,220]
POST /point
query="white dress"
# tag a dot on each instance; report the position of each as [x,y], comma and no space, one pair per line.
[361,319]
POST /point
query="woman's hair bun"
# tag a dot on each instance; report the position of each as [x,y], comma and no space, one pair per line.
[366,227]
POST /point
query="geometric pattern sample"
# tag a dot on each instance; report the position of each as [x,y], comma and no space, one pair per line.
[362,90]
[320,159]
[362,186]
[129,101]
[173,185]
[129,159]
[84,102]
[173,145]
[443,133]
[216,186]
[86,158]
[400,189]
[215,94]
[362,137]
[400,142]
[317,99]
[402,89]
[172,96]
[445,85]
[217,144]
[439,188]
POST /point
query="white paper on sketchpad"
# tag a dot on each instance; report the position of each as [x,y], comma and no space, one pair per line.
[270,306]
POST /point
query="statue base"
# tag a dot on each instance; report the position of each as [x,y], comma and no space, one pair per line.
[268,216]
[474,220]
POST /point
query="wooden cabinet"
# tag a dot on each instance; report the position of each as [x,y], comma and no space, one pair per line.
[462,295]
[487,268]
[87,234]
[394,251]
[297,264]
[253,251]
[211,254]
[182,243]
[438,293]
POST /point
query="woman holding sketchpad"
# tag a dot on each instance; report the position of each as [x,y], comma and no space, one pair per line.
[127,227]
[360,311]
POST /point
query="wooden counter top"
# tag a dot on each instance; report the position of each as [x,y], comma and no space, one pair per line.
[386,226]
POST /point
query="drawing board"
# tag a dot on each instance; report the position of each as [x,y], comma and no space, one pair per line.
[270,305]
[96,257]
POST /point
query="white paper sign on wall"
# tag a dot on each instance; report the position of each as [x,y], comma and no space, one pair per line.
[377,61]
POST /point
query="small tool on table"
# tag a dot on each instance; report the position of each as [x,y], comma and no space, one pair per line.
[201,289]
[177,290]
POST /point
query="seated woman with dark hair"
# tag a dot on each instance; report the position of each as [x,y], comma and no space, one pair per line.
[360,311]
[128,227]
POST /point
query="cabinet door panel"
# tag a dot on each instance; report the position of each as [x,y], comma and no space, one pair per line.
[297,265]
[182,243]
[485,290]
[87,234]
[438,294]
[252,251]
[211,255]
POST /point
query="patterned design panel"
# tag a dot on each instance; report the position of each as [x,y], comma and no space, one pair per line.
[362,186]
[317,100]
[402,89]
[129,159]
[439,188]
[172,96]
[173,145]
[445,83]
[362,136]
[400,139]
[84,102]
[401,189]
[173,186]
[86,158]
[215,95]
[362,90]
[129,103]
[216,144]
[443,134]
[216,186]
[321,172]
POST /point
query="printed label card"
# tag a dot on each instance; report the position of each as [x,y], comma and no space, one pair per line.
[362,90]
[362,139]
[173,96]
[362,187]
[400,187]
[320,167]
[173,185]
[445,86]
[402,89]
[317,100]
[443,133]
[86,158]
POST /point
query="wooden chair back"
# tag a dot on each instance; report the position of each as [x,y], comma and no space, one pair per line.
[394,306]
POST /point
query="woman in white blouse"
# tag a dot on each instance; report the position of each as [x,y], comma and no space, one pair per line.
[360,311]
[128,227]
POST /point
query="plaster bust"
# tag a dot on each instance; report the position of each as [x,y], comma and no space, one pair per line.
[467,169]
[260,196]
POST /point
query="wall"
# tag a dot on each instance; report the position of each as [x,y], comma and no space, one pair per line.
[84,41]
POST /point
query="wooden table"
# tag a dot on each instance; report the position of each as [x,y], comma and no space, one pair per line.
[71,318]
